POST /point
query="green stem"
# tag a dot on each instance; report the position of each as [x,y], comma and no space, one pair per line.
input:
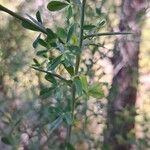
[53,74]
[77,68]
[106,34]
[81,36]
[2,8]
[69,129]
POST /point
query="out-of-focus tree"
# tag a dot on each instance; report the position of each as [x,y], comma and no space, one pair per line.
[122,96]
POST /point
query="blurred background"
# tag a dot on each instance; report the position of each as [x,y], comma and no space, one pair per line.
[20,84]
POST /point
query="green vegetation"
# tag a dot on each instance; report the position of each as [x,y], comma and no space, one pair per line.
[68,88]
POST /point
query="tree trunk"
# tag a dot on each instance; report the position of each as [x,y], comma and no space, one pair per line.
[122,96]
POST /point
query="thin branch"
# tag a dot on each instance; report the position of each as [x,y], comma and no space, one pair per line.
[53,74]
[81,38]
[106,34]
[97,45]
[2,8]
[81,35]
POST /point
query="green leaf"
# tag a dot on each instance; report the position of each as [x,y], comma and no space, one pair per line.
[30,25]
[68,59]
[42,42]
[74,39]
[61,32]
[68,118]
[96,90]
[70,69]
[51,35]
[54,63]
[89,27]
[41,53]
[103,15]
[35,43]
[98,11]
[38,16]
[35,21]
[55,110]
[60,47]
[78,86]
[8,140]
[70,146]
[46,92]
[74,49]
[52,44]
[69,12]
[59,93]
[56,5]
[68,1]
[70,32]
[102,23]
[51,79]
[84,82]
[39,41]
[36,62]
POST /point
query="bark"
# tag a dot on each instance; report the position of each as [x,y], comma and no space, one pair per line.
[122,95]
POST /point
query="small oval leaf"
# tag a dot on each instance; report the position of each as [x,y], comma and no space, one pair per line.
[41,52]
[29,25]
[38,17]
[8,140]
[51,35]
[35,43]
[89,27]
[69,69]
[50,78]
[74,49]
[54,63]
[96,90]
[46,92]
[84,82]
[56,5]
[70,32]
[42,42]
[69,12]
[61,32]
[68,118]
[78,86]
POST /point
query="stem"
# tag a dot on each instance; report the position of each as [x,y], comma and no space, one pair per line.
[2,8]
[105,34]
[69,130]
[81,36]
[53,74]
